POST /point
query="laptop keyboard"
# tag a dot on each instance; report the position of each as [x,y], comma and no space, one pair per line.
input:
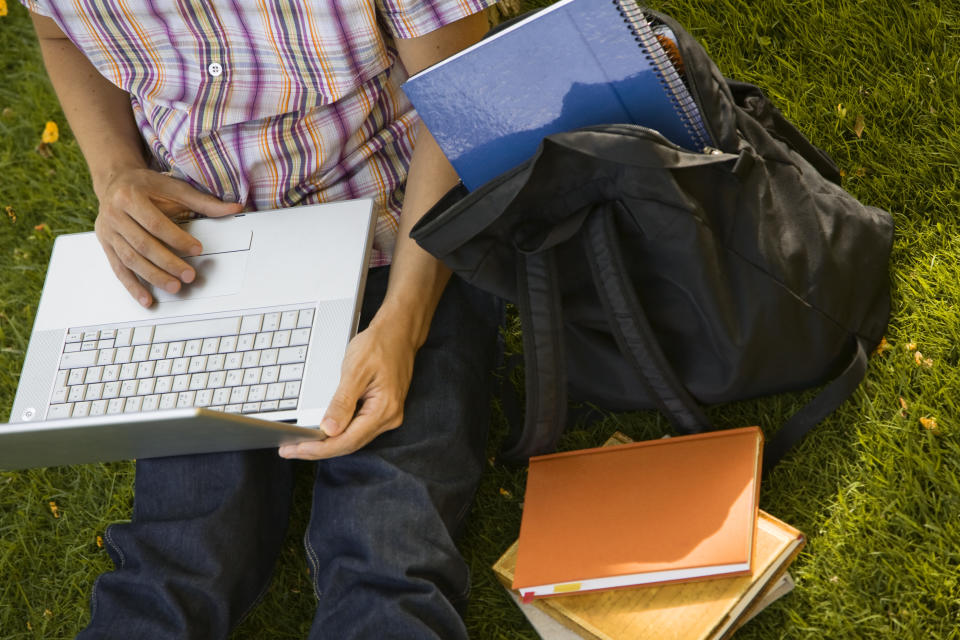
[249,363]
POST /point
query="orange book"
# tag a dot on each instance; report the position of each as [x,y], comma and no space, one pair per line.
[668,510]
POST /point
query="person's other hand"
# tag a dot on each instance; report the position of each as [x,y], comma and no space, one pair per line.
[375,375]
[136,228]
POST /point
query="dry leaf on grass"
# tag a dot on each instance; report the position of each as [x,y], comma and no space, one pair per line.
[930,424]
[882,348]
[859,125]
[54,509]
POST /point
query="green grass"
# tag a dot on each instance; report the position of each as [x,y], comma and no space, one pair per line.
[876,492]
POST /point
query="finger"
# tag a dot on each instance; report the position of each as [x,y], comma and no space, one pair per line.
[343,404]
[193,199]
[159,225]
[144,243]
[361,431]
[126,277]
[131,258]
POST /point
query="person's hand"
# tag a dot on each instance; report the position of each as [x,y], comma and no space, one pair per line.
[376,373]
[136,228]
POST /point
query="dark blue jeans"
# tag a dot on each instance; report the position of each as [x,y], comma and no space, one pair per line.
[207,529]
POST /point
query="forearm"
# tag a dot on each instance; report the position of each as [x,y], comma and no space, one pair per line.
[99,112]
[417,279]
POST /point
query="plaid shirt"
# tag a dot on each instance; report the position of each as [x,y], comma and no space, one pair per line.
[268,102]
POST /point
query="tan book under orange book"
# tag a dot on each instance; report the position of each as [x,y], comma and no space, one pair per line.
[658,511]
[703,610]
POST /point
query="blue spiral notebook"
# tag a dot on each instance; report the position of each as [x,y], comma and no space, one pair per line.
[573,64]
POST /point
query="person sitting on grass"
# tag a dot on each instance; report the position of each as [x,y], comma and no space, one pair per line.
[218,107]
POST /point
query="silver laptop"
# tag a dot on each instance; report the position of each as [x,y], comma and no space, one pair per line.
[247,356]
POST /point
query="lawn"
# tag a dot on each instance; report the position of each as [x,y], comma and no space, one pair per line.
[876,487]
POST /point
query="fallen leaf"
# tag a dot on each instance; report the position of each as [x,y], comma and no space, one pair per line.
[11,214]
[883,347]
[903,408]
[51,132]
[910,346]
[29,626]
[505,493]
[835,579]
[99,542]
[903,403]
[8,112]
[44,150]
[48,613]
[54,509]
[928,362]
[841,111]
[3,8]
[930,424]
[859,125]
[918,358]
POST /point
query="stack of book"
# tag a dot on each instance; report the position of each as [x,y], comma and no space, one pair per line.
[656,539]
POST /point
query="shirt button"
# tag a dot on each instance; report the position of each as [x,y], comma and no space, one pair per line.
[215,69]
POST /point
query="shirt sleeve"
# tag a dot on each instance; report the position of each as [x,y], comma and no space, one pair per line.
[412,18]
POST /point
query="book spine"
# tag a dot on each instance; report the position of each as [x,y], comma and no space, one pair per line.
[683,102]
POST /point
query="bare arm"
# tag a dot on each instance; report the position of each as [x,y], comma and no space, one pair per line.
[378,365]
[136,204]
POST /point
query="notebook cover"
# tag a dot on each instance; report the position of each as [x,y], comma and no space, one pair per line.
[687,502]
[574,64]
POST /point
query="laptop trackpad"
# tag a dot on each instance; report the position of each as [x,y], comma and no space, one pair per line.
[218,274]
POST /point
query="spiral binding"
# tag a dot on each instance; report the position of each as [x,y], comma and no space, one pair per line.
[676,90]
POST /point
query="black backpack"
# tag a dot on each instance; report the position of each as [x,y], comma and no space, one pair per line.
[648,276]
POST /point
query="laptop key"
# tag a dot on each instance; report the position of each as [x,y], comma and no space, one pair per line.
[251,324]
[291,372]
[305,319]
[185,399]
[78,359]
[150,403]
[59,411]
[197,329]
[288,320]
[123,337]
[143,335]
